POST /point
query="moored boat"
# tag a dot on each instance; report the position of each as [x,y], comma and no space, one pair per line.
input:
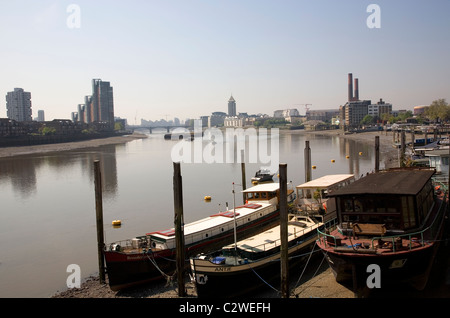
[389,225]
[263,175]
[240,268]
[151,257]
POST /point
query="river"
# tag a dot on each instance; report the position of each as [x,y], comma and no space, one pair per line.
[48,200]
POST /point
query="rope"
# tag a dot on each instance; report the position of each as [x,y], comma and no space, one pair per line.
[320,265]
[168,278]
[307,262]
[264,280]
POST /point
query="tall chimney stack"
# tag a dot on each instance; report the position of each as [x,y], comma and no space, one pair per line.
[356,89]
[350,87]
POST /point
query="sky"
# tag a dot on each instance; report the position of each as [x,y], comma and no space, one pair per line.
[185,58]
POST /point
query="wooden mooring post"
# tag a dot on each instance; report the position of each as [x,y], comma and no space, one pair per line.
[377,153]
[284,231]
[308,171]
[179,228]
[99,220]
[244,182]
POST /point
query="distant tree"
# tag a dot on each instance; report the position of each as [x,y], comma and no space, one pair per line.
[367,120]
[47,131]
[405,115]
[438,110]
[118,126]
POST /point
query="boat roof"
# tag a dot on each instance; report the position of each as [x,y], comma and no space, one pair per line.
[264,187]
[217,219]
[438,153]
[398,182]
[326,181]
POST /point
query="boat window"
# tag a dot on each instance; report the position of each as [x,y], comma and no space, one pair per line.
[301,194]
[263,195]
[408,213]
[348,205]
[308,194]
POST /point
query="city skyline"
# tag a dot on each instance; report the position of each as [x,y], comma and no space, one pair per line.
[185,58]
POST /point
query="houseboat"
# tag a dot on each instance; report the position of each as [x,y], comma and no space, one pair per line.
[250,264]
[152,256]
[389,222]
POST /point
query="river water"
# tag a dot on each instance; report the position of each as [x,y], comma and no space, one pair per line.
[48,200]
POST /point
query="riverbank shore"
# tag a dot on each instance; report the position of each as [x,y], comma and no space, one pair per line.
[67,146]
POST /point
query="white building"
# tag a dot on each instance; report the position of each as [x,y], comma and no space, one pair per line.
[379,108]
[18,105]
[285,113]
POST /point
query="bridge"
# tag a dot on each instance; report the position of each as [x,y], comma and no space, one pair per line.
[168,128]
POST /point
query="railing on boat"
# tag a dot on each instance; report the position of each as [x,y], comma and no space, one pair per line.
[433,228]
[269,245]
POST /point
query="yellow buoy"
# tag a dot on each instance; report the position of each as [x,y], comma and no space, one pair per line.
[332,160]
[314,167]
[254,182]
[347,157]
[360,153]
[207,198]
[116,222]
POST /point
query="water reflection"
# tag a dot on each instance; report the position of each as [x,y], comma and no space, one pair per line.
[22,172]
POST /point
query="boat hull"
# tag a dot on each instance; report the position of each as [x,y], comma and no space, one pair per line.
[128,270]
[217,281]
[358,270]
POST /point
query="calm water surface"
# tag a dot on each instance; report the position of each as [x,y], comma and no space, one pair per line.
[48,200]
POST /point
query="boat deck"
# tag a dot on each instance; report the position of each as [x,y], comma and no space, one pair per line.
[368,245]
[271,238]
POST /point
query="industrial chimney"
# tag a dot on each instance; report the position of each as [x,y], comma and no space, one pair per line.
[350,87]
[356,98]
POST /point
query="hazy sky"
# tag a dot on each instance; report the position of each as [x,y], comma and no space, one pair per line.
[184,58]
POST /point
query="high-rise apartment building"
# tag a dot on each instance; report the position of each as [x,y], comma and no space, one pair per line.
[18,105]
[41,115]
[98,107]
[231,106]
[102,109]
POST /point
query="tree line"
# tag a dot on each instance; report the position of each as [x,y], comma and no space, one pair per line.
[438,111]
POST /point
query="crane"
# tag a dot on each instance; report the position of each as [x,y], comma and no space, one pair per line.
[306,106]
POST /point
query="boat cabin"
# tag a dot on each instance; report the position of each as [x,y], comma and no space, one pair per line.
[392,201]
[267,192]
[313,194]
[438,159]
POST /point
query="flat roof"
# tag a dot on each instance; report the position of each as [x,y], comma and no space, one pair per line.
[264,187]
[325,181]
[398,182]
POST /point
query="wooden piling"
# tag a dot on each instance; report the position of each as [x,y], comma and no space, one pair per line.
[244,182]
[99,220]
[377,153]
[403,145]
[308,168]
[179,231]
[284,231]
